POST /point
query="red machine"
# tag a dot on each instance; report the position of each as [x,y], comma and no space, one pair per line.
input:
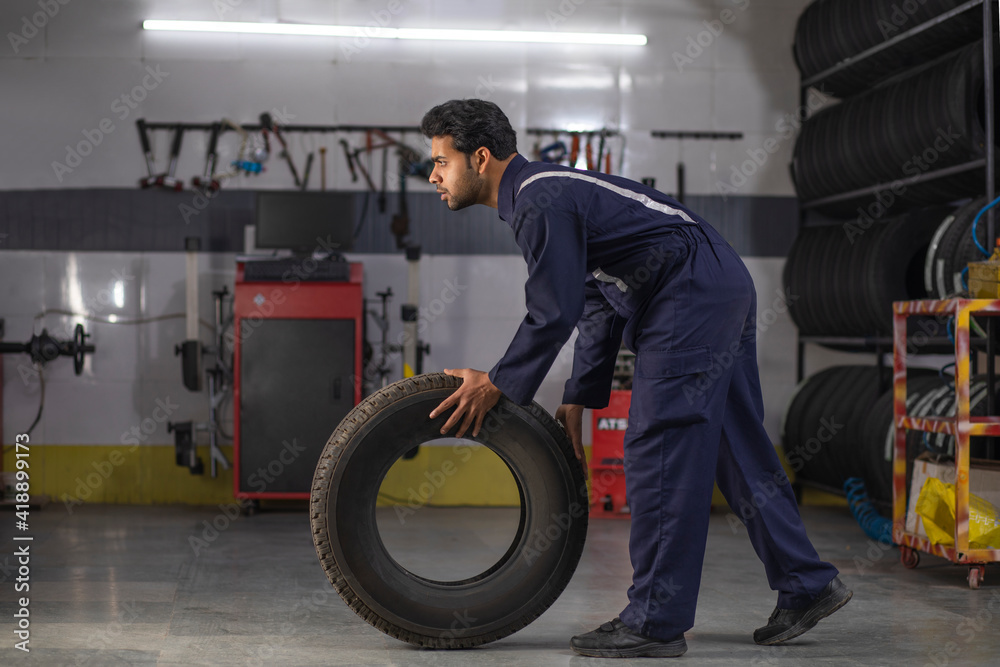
[297,360]
[607,460]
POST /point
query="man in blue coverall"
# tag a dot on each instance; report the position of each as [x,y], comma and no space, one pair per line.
[622,261]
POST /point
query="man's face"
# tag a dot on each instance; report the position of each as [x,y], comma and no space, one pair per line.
[454,176]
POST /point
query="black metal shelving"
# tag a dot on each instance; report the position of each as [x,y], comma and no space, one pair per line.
[881,345]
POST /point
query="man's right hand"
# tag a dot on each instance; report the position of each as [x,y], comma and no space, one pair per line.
[571,417]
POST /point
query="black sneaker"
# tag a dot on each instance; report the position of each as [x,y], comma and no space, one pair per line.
[785,624]
[616,640]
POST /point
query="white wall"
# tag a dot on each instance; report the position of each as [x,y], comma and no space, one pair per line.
[60,83]
[67,78]
[472,305]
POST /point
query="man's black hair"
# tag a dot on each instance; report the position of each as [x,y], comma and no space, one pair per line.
[472,124]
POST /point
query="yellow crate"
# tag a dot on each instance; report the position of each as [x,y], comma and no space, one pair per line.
[984,278]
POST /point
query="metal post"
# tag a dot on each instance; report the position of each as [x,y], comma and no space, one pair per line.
[990,194]
[988,120]
[800,362]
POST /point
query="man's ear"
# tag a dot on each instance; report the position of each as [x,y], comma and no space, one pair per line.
[482,156]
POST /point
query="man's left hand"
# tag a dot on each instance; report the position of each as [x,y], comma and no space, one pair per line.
[472,401]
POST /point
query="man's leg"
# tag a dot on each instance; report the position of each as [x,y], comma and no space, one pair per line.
[754,483]
[757,489]
[670,461]
[684,363]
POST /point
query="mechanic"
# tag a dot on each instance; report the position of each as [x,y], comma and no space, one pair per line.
[624,262]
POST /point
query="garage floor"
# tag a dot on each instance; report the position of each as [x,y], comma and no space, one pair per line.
[122,585]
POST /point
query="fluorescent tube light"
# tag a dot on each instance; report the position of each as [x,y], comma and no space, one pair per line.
[521,36]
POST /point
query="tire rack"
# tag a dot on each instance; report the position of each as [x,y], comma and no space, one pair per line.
[962,426]
[880,344]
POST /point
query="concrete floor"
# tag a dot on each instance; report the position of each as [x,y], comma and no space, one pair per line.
[121,585]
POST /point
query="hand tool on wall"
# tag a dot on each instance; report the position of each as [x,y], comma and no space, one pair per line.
[241,164]
[208,182]
[147,153]
[350,160]
[355,164]
[322,168]
[553,153]
[574,151]
[268,124]
[400,224]
[306,172]
[166,180]
[385,180]
[600,152]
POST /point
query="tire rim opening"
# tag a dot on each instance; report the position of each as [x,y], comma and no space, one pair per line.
[449,513]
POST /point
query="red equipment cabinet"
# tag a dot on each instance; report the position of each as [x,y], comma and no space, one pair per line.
[297,373]
[607,458]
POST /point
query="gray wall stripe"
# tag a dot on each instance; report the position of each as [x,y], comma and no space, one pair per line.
[142,220]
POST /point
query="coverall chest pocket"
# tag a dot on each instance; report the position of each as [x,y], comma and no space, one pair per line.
[676,384]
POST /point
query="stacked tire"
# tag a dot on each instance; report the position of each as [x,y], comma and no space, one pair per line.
[930,120]
[951,249]
[842,279]
[839,425]
[830,31]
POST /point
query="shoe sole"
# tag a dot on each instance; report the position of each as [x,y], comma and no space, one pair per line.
[809,621]
[673,649]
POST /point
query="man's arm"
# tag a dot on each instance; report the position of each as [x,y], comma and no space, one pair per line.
[553,240]
[595,351]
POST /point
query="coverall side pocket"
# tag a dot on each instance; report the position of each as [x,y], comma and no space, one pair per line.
[676,384]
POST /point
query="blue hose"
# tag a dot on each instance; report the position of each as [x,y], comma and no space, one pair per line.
[975,223]
[874,524]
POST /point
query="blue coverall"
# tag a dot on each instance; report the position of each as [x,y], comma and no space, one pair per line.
[621,261]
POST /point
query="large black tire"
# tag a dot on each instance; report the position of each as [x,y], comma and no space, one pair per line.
[491,605]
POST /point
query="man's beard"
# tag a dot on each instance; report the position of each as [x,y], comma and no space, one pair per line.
[466,191]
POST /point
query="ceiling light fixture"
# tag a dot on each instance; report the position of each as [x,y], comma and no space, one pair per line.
[519,36]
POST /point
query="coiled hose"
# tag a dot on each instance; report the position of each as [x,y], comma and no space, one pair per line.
[874,524]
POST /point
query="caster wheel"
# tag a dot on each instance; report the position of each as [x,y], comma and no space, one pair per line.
[976,573]
[910,558]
